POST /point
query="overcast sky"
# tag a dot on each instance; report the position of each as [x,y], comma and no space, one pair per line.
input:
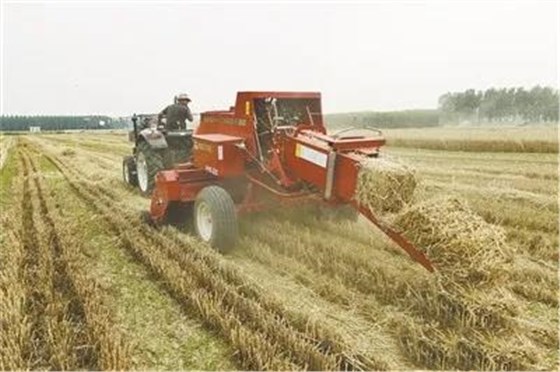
[121,57]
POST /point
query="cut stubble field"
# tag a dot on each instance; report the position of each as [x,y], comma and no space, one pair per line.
[85,283]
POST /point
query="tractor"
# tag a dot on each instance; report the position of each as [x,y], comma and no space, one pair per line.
[155,149]
[270,150]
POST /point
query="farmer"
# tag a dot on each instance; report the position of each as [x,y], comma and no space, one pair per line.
[176,114]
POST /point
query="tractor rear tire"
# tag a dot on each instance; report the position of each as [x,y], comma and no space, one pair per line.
[215,218]
[148,163]
[129,171]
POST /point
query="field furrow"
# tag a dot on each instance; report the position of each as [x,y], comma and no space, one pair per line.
[37,278]
[89,276]
[298,340]
[16,326]
[311,247]
[71,327]
[137,299]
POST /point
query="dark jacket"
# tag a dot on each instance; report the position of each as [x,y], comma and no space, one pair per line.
[175,115]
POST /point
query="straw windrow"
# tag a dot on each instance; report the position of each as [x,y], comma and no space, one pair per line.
[305,292]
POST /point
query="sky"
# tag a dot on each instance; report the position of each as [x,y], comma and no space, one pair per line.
[119,57]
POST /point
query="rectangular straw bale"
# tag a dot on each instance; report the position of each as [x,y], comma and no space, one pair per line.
[457,240]
[384,185]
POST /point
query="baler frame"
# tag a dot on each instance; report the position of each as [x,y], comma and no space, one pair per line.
[301,163]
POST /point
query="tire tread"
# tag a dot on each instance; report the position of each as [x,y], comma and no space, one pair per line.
[223,213]
[155,163]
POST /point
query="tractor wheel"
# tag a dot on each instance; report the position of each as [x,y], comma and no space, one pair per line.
[215,218]
[148,163]
[129,171]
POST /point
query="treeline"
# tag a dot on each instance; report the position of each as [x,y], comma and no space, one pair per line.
[56,123]
[387,119]
[510,105]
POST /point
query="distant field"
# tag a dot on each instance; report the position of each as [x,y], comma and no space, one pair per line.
[541,139]
[298,292]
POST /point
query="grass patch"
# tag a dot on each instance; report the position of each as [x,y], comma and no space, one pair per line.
[161,335]
[7,175]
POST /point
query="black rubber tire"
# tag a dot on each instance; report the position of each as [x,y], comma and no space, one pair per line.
[225,230]
[154,163]
[129,171]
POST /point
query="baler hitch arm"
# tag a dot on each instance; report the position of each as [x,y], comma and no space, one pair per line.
[395,236]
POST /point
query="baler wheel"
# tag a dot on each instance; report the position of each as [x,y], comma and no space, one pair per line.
[129,171]
[215,218]
[148,163]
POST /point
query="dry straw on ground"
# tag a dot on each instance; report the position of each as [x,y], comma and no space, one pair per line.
[450,321]
[384,185]
[463,246]
[235,311]
[68,152]
[471,349]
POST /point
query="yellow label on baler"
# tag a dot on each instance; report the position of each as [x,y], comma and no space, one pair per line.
[311,155]
[298,150]
[203,146]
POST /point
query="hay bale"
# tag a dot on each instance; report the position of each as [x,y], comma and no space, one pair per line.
[384,185]
[459,242]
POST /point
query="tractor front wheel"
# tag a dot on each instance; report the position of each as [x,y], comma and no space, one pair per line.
[215,218]
[148,163]
[129,171]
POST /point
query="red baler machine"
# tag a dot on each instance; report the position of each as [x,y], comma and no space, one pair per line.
[270,147]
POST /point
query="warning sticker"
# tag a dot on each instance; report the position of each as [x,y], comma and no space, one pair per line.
[311,155]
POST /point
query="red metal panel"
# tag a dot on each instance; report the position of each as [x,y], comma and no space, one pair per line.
[189,191]
[239,121]
[218,155]
[311,168]
[315,172]
[229,124]
[194,175]
[347,144]
[223,138]
[168,190]
[346,171]
[354,144]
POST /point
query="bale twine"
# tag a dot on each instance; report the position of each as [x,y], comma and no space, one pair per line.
[384,185]
[458,241]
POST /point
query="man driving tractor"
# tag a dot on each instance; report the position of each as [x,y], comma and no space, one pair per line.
[176,114]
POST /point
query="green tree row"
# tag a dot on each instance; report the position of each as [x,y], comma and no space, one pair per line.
[56,123]
[539,104]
